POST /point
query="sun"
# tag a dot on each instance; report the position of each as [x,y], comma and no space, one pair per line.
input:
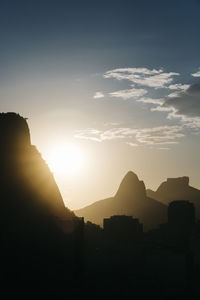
[65,159]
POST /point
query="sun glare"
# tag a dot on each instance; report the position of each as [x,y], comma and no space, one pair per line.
[65,159]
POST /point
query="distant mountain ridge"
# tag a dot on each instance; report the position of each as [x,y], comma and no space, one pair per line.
[130,199]
[177,189]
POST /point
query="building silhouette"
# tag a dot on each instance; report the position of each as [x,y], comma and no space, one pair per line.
[181,214]
[181,224]
[122,227]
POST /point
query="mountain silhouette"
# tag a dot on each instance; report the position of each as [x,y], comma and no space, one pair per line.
[38,233]
[130,199]
[23,171]
[177,189]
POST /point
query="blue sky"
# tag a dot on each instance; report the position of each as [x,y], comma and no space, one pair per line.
[120,79]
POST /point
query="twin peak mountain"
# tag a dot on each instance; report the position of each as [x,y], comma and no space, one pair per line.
[148,206]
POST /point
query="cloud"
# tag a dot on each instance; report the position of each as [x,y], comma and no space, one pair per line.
[174,94]
[180,102]
[129,93]
[178,86]
[160,135]
[185,103]
[197,74]
[98,95]
[117,133]
[142,76]
[147,136]
[88,134]
[151,100]
[100,135]
[163,109]
[132,144]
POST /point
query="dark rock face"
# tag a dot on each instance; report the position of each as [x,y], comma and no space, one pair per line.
[130,200]
[23,171]
[14,132]
[177,189]
[33,218]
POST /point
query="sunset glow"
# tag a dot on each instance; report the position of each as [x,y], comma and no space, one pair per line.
[65,160]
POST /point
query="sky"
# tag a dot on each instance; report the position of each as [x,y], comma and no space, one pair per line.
[120,80]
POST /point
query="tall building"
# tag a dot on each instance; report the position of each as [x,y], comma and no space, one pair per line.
[181,222]
[181,214]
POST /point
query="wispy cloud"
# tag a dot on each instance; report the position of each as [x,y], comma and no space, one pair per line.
[129,93]
[196,74]
[143,79]
[88,134]
[183,105]
[151,100]
[132,144]
[143,76]
[104,135]
[160,135]
[98,95]
[186,103]
[180,103]
[178,86]
[147,136]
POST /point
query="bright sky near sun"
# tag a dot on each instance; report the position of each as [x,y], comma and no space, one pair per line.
[107,86]
[65,159]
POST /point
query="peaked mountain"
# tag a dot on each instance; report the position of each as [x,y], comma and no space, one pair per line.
[24,174]
[34,220]
[131,200]
[177,189]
